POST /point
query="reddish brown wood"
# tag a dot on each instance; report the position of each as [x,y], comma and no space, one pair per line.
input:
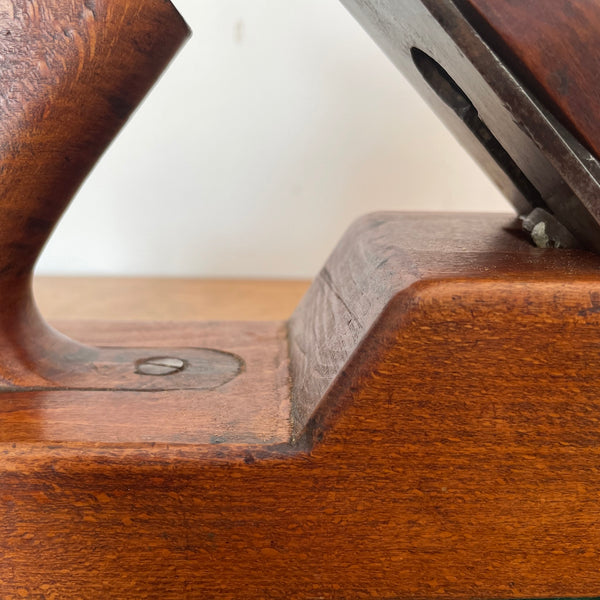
[452,452]
[425,426]
[72,72]
[554,48]
[250,408]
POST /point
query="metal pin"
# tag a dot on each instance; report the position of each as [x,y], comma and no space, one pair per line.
[159,366]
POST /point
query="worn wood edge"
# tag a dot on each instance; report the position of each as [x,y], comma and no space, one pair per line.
[402,309]
[330,321]
[377,261]
[338,396]
[176,15]
[252,409]
[23,457]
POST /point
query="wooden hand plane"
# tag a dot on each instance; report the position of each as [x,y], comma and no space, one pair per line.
[425,425]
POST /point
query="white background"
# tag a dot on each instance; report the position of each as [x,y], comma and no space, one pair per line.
[276,126]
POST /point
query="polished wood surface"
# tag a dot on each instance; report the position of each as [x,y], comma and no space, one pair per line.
[251,406]
[93,309]
[554,48]
[167,299]
[451,453]
[72,73]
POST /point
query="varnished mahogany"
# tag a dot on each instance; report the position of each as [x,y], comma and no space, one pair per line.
[423,426]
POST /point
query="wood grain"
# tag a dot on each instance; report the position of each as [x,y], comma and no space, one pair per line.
[424,426]
[72,73]
[250,408]
[453,455]
[378,257]
[555,50]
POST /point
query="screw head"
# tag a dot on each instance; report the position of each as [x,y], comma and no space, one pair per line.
[159,366]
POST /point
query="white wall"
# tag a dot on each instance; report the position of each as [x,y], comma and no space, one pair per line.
[276,126]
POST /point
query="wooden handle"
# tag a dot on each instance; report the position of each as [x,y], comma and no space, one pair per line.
[72,72]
